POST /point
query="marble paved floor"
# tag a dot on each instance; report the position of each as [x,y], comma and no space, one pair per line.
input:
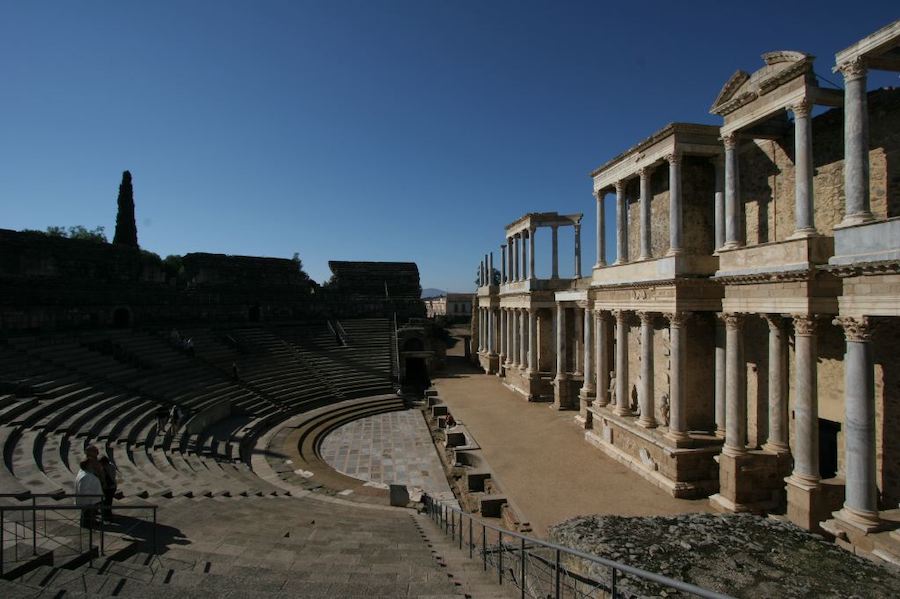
[387,448]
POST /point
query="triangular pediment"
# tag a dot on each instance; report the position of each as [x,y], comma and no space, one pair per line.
[730,88]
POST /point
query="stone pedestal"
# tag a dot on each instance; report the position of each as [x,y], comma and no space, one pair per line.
[748,482]
[807,503]
[561,398]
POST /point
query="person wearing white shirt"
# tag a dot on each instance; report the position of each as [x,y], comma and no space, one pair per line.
[87,483]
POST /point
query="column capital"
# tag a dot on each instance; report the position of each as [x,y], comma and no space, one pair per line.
[857,330]
[852,69]
[730,140]
[647,317]
[599,194]
[673,158]
[678,319]
[801,108]
[644,172]
[620,188]
[775,321]
[600,313]
[577,227]
[619,315]
[732,320]
[804,324]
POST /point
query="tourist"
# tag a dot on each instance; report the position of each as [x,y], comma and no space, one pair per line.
[109,484]
[451,421]
[87,485]
[176,416]
[162,416]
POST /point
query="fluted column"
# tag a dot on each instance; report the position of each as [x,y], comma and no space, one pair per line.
[554,229]
[503,263]
[510,247]
[602,359]
[532,341]
[645,213]
[646,392]
[720,383]
[675,221]
[523,337]
[778,386]
[735,387]
[623,407]
[560,341]
[490,268]
[806,404]
[732,193]
[492,346]
[517,243]
[601,232]
[531,246]
[578,341]
[719,165]
[588,387]
[856,144]
[621,224]
[577,251]
[678,429]
[861,496]
[804,225]
[503,349]
[510,337]
[526,241]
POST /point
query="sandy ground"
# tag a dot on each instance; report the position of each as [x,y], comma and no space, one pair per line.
[539,455]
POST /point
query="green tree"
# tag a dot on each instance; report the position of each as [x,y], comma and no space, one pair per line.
[126,229]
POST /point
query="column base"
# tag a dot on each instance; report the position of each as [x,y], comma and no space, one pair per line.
[622,411]
[646,422]
[720,432]
[600,264]
[864,522]
[674,252]
[585,416]
[804,233]
[730,245]
[777,447]
[855,219]
[680,439]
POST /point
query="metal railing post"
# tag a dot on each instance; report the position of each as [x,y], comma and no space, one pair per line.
[612,586]
[470,538]
[33,526]
[460,531]
[557,574]
[155,553]
[484,545]
[523,567]
[500,558]
[2,537]
[90,541]
[102,536]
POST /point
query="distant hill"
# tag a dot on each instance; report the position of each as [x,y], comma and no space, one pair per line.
[432,292]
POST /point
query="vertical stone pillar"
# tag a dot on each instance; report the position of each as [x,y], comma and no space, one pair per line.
[491,268]
[806,405]
[856,144]
[732,193]
[525,243]
[645,213]
[678,430]
[602,353]
[623,401]
[511,337]
[778,386]
[577,251]
[503,263]
[621,224]
[503,350]
[492,342]
[720,389]
[517,341]
[578,341]
[675,220]
[480,329]
[646,392]
[561,383]
[601,232]
[735,387]
[517,241]
[523,337]
[861,496]
[555,242]
[481,274]
[719,166]
[803,167]
[531,247]
[510,247]
[532,342]
[587,389]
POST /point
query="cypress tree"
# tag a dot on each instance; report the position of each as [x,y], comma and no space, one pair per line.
[126,229]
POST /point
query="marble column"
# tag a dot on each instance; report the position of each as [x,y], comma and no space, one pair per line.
[646,392]
[803,170]
[554,229]
[517,243]
[531,246]
[778,386]
[856,144]
[510,247]
[587,388]
[623,400]
[503,350]
[492,346]
[861,494]
[510,337]
[719,166]
[480,329]
[806,404]
[735,387]
[578,341]
[503,263]
[481,274]
[517,336]
[532,341]
[645,213]
[675,208]
[732,193]
[601,232]
[523,336]
[720,389]
[577,251]
[491,268]
[621,224]
[678,429]
[602,353]
[526,241]
[560,341]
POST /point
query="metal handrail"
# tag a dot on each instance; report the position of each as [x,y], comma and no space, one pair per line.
[450,519]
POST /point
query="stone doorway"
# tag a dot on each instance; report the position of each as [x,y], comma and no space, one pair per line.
[828,447]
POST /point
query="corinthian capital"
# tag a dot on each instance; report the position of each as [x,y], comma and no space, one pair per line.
[674,158]
[732,320]
[801,108]
[677,319]
[804,324]
[775,321]
[857,330]
[852,69]
[730,140]
[620,188]
[647,317]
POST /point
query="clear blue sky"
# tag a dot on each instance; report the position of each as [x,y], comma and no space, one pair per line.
[371,130]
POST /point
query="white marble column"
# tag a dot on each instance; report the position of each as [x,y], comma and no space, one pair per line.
[719,165]
[503,263]
[778,386]
[531,246]
[480,329]
[861,495]
[517,335]
[621,224]
[645,213]
[602,355]
[492,342]
[806,403]
[804,225]
[732,193]
[577,251]
[517,243]
[856,144]
[720,389]
[491,268]
[526,241]
[510,337]
[523,337]
[675,208]
[646,392]
[678,429]
[735,387]
[560,341]
[587,388]
[578,341]
[510,250]
[601,232]
[503,350]
[554,229]
[532,342]
[623,400]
